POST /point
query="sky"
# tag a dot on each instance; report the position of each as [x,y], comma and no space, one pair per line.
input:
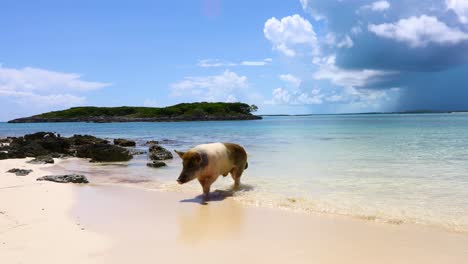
[288,56]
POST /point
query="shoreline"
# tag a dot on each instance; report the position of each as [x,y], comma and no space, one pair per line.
[99,174]
[122,224]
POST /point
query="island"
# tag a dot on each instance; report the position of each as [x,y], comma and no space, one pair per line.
[198,111]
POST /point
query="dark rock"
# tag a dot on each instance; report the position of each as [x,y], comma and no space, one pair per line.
[156,164]
[74,178]
[151,142]
[102,152]
[59,155]
[42,160]
[37,144]
[3,155]
[159,153]
[19,172]
[80,140]
[124,142]
[137,152]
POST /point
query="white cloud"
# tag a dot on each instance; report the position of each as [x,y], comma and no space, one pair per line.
[346,78]
[289,33]
[419,31]
[355,30]
[210,88]
[330,40]
[460,7]
[291,79]
[347,42]
[256,63]
[231,99]
[377,6]
[35,87]
[207,63]
[33,100]
[353,85]
[35,79]
[283,96]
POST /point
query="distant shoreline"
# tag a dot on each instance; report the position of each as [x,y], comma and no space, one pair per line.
[377,113]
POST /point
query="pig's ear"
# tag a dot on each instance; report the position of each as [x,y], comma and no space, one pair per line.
[180,153]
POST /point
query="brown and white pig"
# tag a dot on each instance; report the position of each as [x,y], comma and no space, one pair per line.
[207,162]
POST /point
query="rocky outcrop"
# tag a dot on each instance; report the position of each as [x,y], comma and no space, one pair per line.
[73,178]
[156,152]
[80,140]
[38,144]
[42,160]
[19,172]
[124,142]
[103,152]
[156,164]
[46,145]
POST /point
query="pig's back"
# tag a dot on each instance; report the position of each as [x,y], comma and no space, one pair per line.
[218,156]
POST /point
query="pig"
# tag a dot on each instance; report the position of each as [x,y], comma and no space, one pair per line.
[207,162]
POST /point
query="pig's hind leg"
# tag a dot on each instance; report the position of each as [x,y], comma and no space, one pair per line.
[236,174]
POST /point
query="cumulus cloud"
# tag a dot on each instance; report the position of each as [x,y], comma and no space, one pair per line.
[460,7]
[410,44]
[291,79]
[289,33]
[419,31]
[35,87]
[210,88]
[207,63]
[377,6]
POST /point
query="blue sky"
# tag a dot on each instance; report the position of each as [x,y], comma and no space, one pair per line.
[300,56]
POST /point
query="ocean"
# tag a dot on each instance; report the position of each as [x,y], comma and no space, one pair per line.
[391,168]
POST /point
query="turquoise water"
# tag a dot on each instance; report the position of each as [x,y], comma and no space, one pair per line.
[390,168]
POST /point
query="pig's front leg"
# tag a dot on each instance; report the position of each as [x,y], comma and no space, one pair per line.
[206,182]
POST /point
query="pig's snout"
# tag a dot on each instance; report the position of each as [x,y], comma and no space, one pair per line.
[182,179]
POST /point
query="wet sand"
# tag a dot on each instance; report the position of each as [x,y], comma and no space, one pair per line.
[151,226]
[44,222]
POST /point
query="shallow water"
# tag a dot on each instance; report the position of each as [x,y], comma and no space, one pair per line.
[391,168]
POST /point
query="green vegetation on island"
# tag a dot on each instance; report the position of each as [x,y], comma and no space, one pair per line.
[200,111]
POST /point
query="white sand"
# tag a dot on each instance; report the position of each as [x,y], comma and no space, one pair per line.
[39,224]
[35,224]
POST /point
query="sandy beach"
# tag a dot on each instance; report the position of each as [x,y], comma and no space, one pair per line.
[45,222]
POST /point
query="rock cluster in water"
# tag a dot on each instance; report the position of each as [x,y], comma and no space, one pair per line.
[46,145]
